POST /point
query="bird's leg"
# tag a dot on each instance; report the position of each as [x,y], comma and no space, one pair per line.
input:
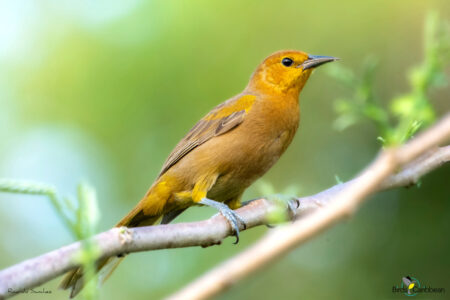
[233,218]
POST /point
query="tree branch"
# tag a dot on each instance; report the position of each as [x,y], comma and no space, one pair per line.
[345,199]
[336,202]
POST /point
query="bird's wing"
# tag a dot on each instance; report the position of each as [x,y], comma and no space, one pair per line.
[220,120]
[406,281]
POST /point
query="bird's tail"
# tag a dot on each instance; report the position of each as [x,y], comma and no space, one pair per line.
[74,279]
[154,202]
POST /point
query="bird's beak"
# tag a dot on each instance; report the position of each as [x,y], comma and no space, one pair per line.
[314,61]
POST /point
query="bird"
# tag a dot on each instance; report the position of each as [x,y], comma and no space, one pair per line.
[233,145]
[409,283]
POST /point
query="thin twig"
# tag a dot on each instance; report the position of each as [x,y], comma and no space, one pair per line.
[39,189]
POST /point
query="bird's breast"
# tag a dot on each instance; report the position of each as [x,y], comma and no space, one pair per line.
[255,146]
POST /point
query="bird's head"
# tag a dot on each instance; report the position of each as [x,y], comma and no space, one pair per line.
[285,72]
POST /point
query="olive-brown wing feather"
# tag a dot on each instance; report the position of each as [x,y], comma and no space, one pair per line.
[203,131]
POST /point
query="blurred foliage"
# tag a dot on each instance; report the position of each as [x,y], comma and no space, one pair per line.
[409,112]
[81,219]
[282,200]
[104,90]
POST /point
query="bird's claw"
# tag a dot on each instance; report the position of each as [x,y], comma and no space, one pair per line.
[292,205]
[233,218]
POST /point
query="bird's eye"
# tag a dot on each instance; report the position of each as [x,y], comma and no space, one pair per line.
[287,62]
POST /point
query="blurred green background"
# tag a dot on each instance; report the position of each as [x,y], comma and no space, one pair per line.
[103,90]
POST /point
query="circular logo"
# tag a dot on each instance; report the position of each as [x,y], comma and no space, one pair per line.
[410,284]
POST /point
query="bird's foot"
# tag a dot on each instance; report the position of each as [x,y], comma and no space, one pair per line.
[233,218]
[290,204]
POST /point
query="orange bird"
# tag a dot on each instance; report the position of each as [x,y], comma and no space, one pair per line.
[226,151]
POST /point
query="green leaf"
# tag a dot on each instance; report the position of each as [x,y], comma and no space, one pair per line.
[338,180]
[412,110]
[88,204]
[403,105]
